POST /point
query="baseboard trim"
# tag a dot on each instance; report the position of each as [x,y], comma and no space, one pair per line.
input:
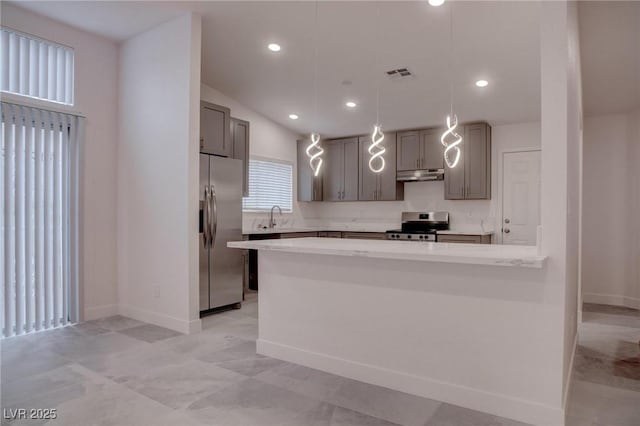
[611,299]
[476,399]
[569,374]
[179,325]
[96,312]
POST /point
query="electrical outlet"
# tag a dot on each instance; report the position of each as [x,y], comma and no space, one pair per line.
[156,291]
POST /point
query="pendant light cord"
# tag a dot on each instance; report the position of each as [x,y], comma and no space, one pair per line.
[451,55]
[315,69]
[376,64]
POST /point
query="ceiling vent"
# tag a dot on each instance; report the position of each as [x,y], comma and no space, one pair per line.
[400,73]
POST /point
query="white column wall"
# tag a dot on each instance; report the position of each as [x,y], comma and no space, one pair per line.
[157,175]
[559,206]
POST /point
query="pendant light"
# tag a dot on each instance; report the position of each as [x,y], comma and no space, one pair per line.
[314,150]
[450,139]
[376,150]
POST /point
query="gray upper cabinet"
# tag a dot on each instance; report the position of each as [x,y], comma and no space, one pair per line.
[215,130]
[471,178]
[408,153]
[240,143]
[350,188]
[454,179]
[477,167]
[309,186]
[432,149]
[419,150]
[340,174]
[381,186]
[368,182]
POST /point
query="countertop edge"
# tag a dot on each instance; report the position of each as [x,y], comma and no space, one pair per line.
[534,262]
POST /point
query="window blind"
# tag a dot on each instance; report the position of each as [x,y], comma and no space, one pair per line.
[39,221]
[36,68]
[270,183]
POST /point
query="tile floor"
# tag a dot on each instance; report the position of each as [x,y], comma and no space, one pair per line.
[118,371]
[605,389]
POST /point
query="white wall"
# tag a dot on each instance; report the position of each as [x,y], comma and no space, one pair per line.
[634,159]
[560,112]
[96,68]
[573,194]
[157,175]
[267,139]
[610,211]
[429,196]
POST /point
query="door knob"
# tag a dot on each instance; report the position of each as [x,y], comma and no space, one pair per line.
[507,221]
[507,230]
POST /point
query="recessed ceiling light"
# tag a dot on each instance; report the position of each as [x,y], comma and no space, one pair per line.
[274,47]
[436,2]
[293,116]
[351,104]
[482,83]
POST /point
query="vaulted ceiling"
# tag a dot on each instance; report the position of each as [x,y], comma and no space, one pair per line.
[358,41]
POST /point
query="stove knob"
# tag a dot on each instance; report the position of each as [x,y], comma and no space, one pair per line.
[409,236]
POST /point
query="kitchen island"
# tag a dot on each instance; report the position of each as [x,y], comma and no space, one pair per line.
[458,323]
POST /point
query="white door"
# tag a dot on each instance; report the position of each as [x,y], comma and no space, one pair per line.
[520,197]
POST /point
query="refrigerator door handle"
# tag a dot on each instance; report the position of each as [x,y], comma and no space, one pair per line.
[205,219]
[214,217]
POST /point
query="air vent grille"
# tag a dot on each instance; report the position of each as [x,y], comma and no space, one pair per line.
[399,73]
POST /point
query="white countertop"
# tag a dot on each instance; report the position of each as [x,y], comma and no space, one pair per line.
[477,254]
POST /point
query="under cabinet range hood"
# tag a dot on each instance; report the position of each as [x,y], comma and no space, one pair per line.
[420,175]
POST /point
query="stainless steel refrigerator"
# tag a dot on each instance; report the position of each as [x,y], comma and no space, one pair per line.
[220,222]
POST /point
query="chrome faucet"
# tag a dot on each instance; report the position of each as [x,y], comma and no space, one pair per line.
[272,223]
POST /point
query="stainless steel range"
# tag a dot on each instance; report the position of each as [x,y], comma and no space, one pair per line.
[420,226]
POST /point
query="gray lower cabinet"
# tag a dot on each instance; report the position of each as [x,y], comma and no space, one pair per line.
[340,174]
[464,238]
[215,130]
[240,142]
[309,186]
[365,235]
[471,178]
[330,234]
[298,235]
[382,186]
[420,150]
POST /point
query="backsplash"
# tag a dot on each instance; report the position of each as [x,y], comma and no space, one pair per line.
[419,196]
[465,215]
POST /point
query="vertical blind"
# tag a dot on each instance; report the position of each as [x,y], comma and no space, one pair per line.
[270,183]
[36,68]
[39,222]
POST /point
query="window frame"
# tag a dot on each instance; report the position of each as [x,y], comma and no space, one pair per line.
[270,160]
